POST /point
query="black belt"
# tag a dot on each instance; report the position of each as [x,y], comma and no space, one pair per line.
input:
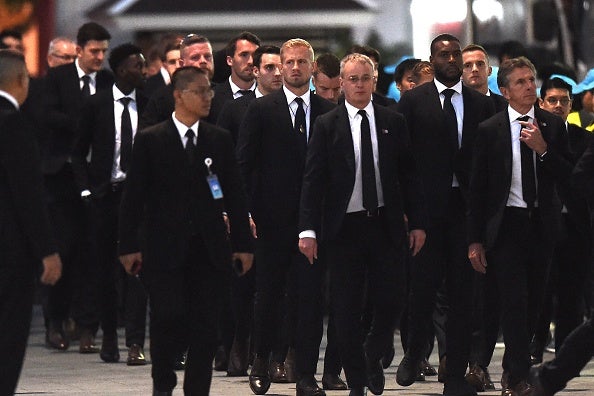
[367,213]
[525,212]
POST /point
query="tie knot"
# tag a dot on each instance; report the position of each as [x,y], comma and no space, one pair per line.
[523,118]
[448,93]
[244,92]
[190,135]
[125,101]
[299,101]
[86,78]
[362,112]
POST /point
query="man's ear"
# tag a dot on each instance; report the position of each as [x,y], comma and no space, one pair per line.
[229,60]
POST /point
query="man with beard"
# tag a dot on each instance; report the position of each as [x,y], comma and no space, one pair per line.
[271,150]
[442,118]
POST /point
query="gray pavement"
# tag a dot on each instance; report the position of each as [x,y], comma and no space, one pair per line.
[70,373]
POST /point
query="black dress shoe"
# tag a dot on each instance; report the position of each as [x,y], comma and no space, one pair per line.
[308,386]
[180,362]
[333,382]
[136,356]
[161,393]
[479,378]
[534,360]
[221,359]
[375,376]
[357,391]
[238,358]
[259,378]
[458,387]
[110,352]
[277,373]
[538,388]
[388,358]
[290,366]
[87,342]
[55,339]
[427,369]
[407,371]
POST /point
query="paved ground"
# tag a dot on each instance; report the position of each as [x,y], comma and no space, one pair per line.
[70,373]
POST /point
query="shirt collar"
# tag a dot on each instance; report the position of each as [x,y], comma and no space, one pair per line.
[440,87]
[165,75]
[514,115]
[117,94]
[352,110]
[183,128]
[10,98]
[81,72]
[235,88]
[291,97]
[258,93]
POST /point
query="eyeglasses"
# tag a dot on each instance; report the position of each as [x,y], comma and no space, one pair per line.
[355,79]
[205,93]
[65,57]
[553,101]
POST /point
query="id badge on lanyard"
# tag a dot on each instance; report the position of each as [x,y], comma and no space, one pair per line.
[213,181]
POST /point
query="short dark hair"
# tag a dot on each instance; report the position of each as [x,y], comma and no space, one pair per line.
[511,49]
[91,31]
[403,67]
[476,47]
[120,53]
[423,67]
[9,33]
[264,49]
[554,83]
[232,45]
[12,65]
[327,64]
[184,76]
[192,39]
[508,66]
[365,50]
[442,37]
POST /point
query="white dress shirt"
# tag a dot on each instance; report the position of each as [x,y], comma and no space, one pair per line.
[92,80]
[516,197]
[118,108]
[293,107]
[458,103]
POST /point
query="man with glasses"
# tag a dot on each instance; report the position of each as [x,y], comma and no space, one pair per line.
[61,51]
[570,264]
[183,172]
[358,184]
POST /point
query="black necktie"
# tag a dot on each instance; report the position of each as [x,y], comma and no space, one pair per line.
[450,116]
[126,131]
[245,92]
[86,89]
[528,177]
[190,147]
[367,168]
[300,125]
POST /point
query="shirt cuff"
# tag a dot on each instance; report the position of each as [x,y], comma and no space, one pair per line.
[307,234]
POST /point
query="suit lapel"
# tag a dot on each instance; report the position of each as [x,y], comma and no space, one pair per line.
[344,128]
[381,133]
[504,131]
[280,101]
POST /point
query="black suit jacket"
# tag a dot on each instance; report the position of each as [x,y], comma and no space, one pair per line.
[64,101]
[25,236]
[173,201]
[491,176]
[222,95]
[97,133]
[271,165]
[232,114]
[153,84]
[499,101]
[437,163]
[330,174]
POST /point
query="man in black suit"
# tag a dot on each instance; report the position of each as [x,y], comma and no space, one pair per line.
[360,179]
[326,77]
[475,73]
[170,59]
[106,130]
[571,260]
[442,117]
[66,88]
[172,230]
[520,157]
[242,81]
[195,50]
[268,78]
[26,238]
[271,150]
[375,56]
